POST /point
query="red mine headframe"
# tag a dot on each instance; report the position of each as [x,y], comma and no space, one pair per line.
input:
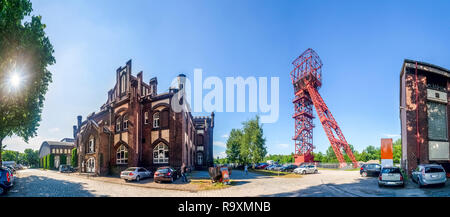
[307,79]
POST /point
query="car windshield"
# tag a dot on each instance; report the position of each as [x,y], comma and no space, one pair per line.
[130,169]
[390,170]
[434,170]
[163,170]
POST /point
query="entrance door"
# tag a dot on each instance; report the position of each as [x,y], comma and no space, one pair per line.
[90,165]
[199,158]
[57,161]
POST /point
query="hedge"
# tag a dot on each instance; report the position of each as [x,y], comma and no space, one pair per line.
[74,159]
[62,159]
[51,161]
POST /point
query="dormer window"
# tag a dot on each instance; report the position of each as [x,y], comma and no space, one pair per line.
[156,120]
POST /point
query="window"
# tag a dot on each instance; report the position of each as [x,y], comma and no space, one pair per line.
[156,120]
[161,154]
[90,165]
[122,155]
[146,118]
[125,122]
[91,145]
[118,120]
[199,158]
[53,151]
[437,121]
[123,82]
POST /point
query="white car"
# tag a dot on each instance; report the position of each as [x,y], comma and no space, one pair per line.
[135,173]
[304,169]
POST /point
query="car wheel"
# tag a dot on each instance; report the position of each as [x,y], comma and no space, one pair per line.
[303,172]
[171,180]
[138,178]
[419,183]
[2,191]
[315,171]
[380,185]
[364,174]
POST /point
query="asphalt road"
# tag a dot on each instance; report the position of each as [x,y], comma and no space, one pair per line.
[327,183]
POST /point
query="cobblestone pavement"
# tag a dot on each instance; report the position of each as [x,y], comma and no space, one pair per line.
[328,183]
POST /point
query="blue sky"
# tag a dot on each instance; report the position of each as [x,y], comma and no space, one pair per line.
[362,46]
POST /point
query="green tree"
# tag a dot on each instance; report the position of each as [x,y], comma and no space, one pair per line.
[31,157]
[25,52]
[397,150]
[253,148]
[51,161]
[233,145]
[44,162]
[74,158]
[9,155]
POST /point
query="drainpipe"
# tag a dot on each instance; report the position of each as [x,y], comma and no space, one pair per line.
[417,118]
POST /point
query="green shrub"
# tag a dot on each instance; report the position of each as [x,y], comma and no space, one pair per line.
[44,162]
[74,158]
[62,159]
[51,162]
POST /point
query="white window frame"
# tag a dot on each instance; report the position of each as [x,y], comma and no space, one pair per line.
[122,155]
[125,122]
[156,120]
[161,154]
[91,145]
[146,118]
[118,123]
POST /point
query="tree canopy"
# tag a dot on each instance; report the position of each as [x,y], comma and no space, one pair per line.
[25,54]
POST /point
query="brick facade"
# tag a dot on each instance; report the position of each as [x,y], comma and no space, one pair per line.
[137,119]
[413,113]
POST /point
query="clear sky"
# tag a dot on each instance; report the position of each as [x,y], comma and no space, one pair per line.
[362,46]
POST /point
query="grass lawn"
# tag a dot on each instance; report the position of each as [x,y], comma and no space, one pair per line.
[275,173]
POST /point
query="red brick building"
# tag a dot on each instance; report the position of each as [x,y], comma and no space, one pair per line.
[138,127]
[424,108]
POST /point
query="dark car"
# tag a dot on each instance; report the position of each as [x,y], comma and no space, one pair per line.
[288,168]
[6,180]
[390,176]
[370,170]
[66,168]
[167,174]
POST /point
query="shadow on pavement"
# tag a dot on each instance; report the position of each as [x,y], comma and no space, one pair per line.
[38,186]
[366,187]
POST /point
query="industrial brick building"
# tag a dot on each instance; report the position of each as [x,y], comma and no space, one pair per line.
[424,108]
[138,127]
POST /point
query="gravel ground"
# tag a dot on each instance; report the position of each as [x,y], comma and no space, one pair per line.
[328,183]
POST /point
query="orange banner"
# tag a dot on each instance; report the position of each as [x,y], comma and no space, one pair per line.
[386,149]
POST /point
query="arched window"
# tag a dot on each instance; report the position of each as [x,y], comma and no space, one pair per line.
[122,155]
[156,120]
[161,154]
[125,122]
[118,123]
[91,145]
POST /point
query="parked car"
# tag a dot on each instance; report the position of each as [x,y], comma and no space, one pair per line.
[370,170]
[270,167]
[288,168]
[276,167]
[135,173]
[6,180]
[165,174]
[261,166]
[66,168]
[304,169]
[429,174]
[390,176]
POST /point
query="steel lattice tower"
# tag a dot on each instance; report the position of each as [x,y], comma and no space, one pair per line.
[307,79]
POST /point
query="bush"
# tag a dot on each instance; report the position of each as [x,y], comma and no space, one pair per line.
[62,159]
[51,163]
[44,162]
[74,158]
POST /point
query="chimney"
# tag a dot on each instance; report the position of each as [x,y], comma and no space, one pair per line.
[181,81]
[153,86]
[74,132]
[79,122]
